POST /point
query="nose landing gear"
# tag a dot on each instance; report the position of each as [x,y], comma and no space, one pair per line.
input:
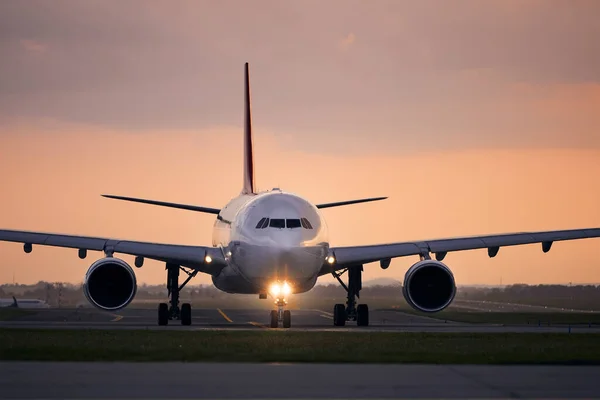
[351,312]
[285,316]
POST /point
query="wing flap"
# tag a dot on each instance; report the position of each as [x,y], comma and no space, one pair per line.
[366,254]
[49,239]
[189,256]
[510,239]
[354,255]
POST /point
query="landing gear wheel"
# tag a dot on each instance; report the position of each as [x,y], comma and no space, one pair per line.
[362,315]
[163,314]
[339,315]
[274,319]
[186,314]
[287,319]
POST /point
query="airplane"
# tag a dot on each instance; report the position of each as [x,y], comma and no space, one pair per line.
[274,243]
[23,303]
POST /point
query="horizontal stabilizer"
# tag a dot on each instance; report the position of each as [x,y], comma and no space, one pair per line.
[207,210]
[345,203]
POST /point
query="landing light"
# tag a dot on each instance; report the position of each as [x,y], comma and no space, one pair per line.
[277,289]
[207,259]
[330,259]
[286,288]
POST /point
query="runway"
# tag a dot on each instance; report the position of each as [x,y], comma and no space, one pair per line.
[253,319]
[282,380]
[234,380]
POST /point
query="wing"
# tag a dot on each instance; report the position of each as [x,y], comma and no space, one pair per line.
[357,255]
[188,256]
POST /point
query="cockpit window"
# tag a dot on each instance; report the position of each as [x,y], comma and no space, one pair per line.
[292,223]
[306,224]
[281,223]
[277,223]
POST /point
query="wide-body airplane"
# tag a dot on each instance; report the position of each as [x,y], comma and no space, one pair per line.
[274,243]
[23,303]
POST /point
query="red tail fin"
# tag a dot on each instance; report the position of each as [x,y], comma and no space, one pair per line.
[248,187]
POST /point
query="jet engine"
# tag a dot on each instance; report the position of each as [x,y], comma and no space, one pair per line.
[110,284]
[429,286]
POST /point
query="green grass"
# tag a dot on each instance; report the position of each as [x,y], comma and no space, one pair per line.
[286,346]
[513,318]
[9,313]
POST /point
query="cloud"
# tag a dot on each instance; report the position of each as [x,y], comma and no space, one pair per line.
[347,42]
[33,46]
[420,76]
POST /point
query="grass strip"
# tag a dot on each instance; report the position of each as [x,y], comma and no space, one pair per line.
[9,313]
[289,346]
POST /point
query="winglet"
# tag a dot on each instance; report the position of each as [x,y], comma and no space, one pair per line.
[248,187]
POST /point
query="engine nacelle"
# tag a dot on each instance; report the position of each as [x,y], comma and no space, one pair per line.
[429,286]
[110,284]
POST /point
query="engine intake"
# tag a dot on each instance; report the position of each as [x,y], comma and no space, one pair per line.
[110,284]
[429,286]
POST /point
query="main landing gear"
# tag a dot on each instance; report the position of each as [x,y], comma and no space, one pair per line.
[285,316]
[172,311]
[351,312]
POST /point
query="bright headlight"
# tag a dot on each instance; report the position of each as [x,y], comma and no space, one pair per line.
[286,288]
[275,289]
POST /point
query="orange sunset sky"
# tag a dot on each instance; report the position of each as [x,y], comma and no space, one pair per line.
[474,117]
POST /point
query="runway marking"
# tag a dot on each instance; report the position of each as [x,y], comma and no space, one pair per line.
[257,324]
[325,312]
[117,318]
[325,316]
[224,315]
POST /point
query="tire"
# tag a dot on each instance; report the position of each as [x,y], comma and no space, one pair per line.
[186,314]
[274,319]
[287,319]
[339,315]
[163,314]
[362,315]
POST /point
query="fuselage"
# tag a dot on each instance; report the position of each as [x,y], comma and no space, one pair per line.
[270,237]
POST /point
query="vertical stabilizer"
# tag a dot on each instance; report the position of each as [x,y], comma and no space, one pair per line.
[248,187]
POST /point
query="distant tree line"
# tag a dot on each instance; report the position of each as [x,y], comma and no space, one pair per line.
[584,297]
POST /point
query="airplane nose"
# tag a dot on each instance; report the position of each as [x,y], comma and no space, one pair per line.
[287,241]
[283,262]
[286,255]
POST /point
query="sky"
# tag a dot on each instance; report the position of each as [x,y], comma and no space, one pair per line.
[473,117]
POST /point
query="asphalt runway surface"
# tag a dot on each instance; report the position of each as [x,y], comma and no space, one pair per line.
[233,380]
[253,319]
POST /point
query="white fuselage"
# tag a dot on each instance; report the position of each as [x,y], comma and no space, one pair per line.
[291,247]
